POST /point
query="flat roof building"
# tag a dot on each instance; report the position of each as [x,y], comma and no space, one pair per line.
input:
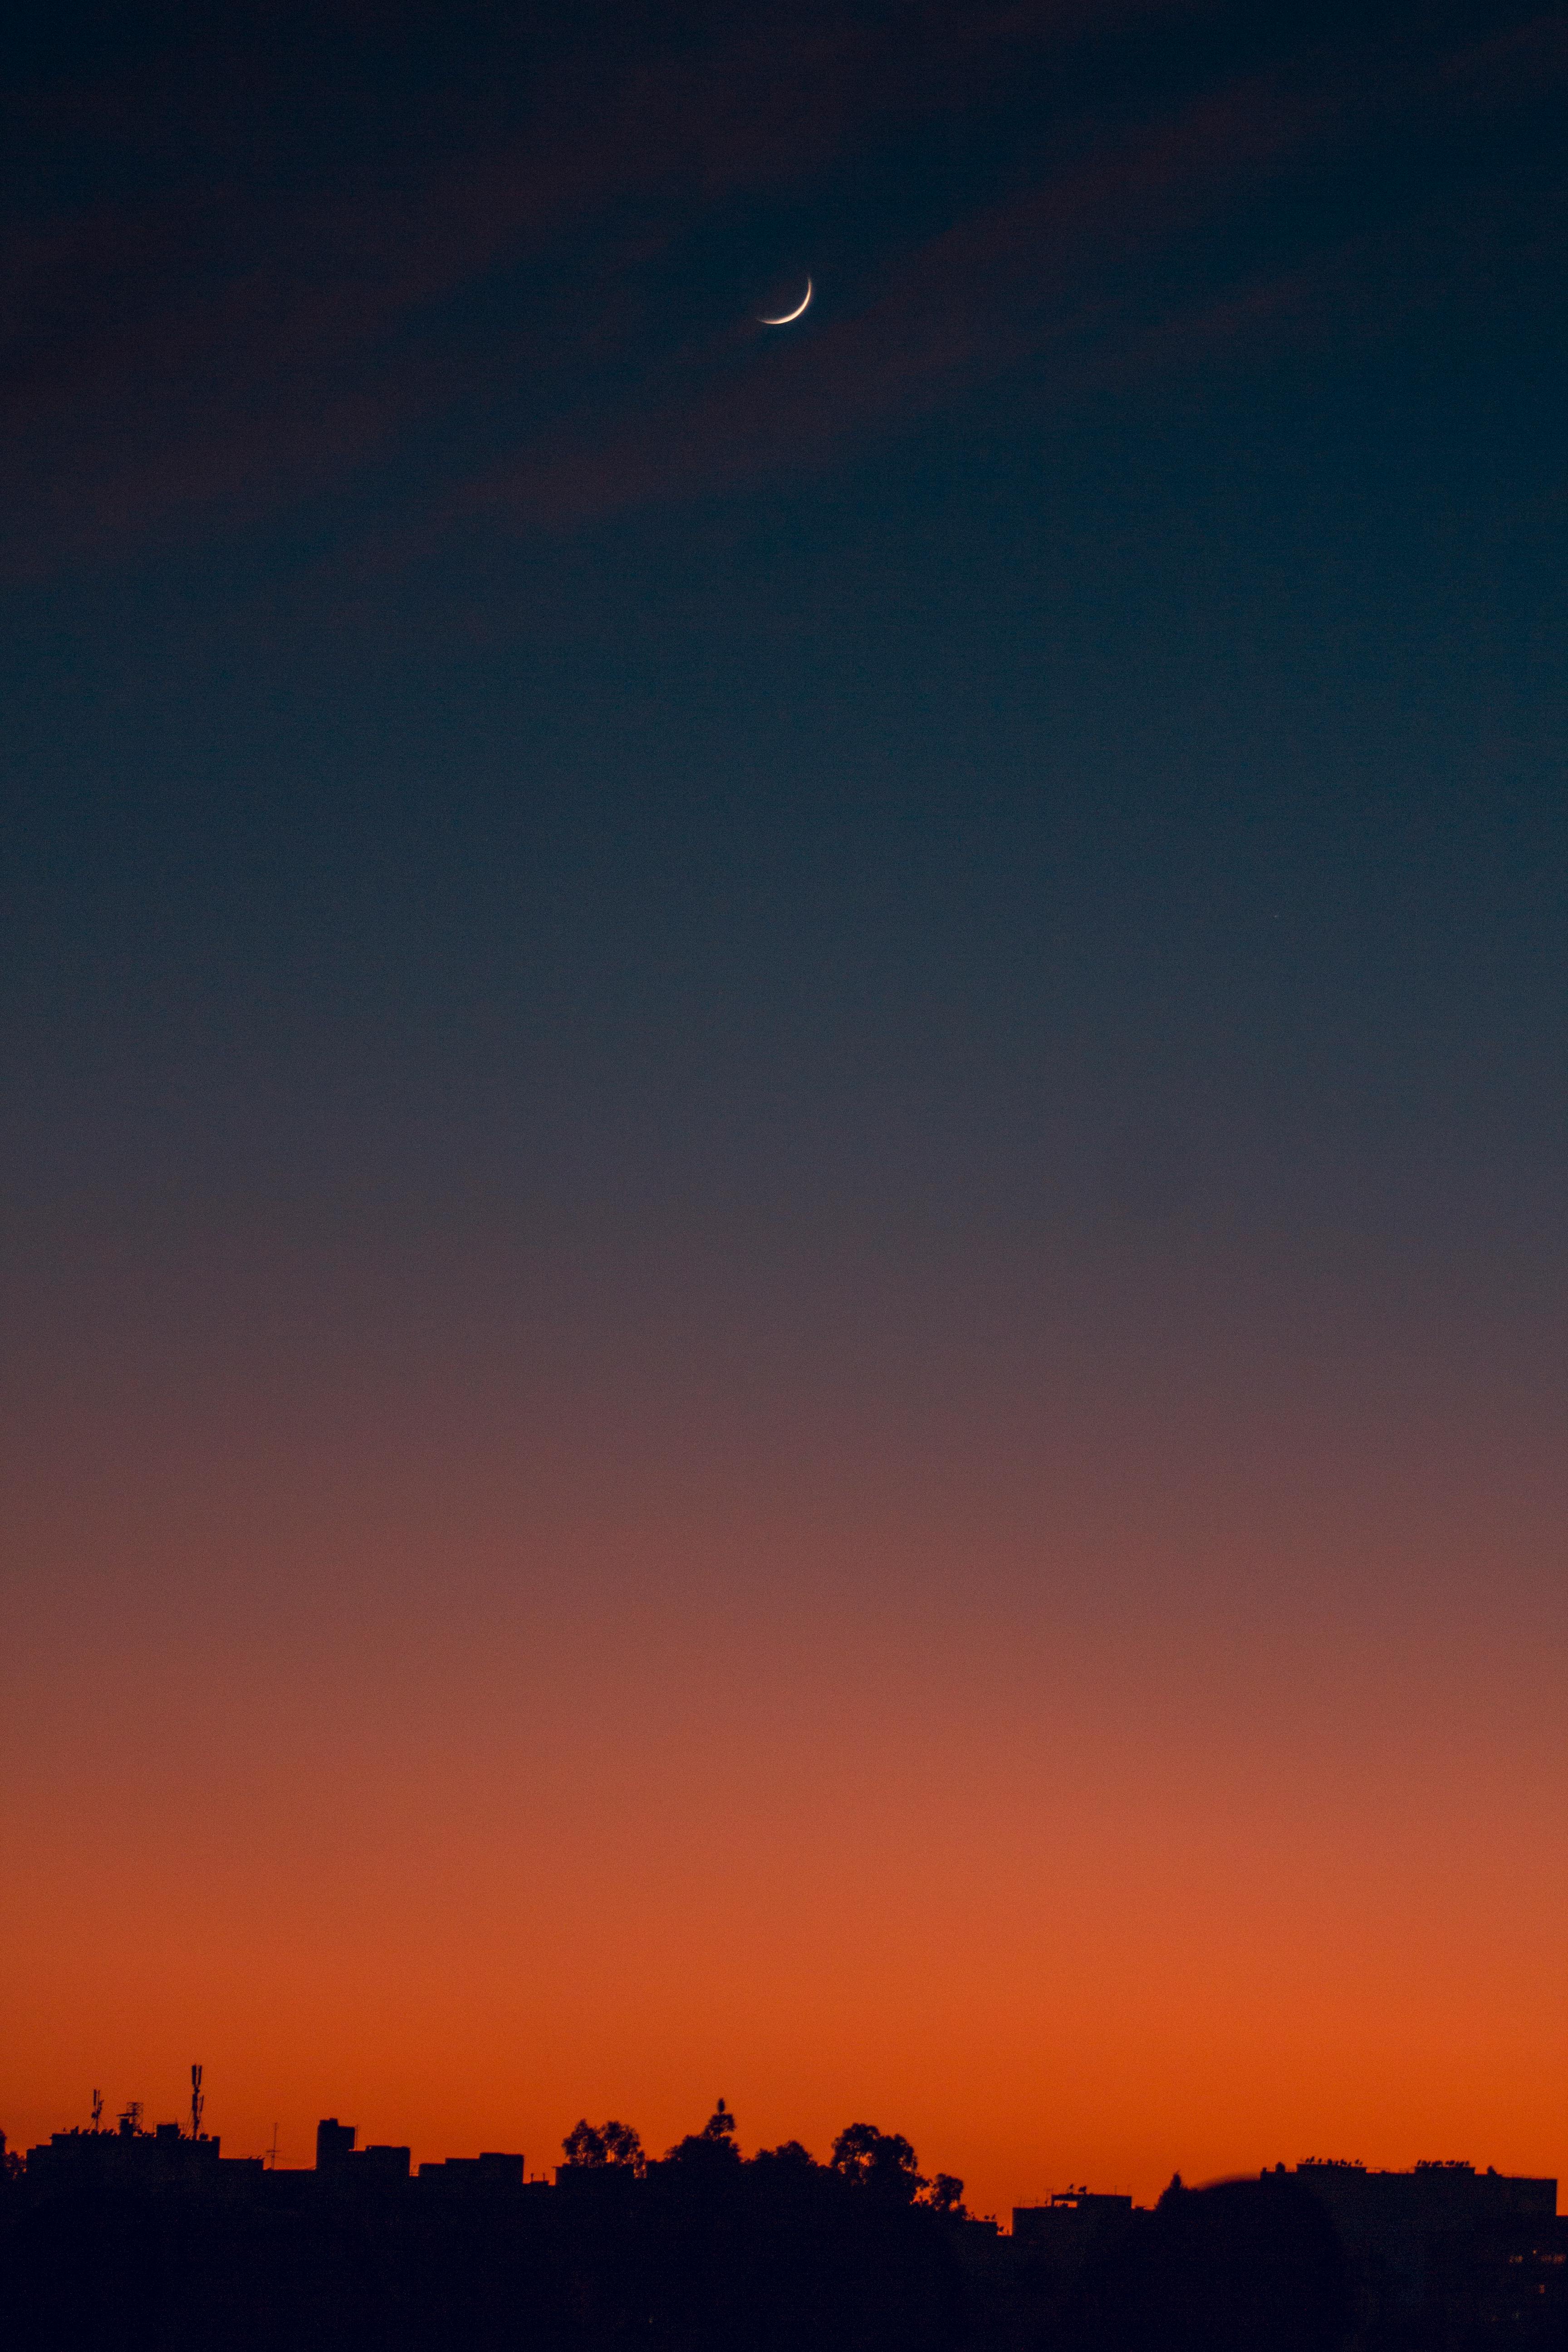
[1070,2226]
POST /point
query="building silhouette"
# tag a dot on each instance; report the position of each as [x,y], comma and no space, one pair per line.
[1443,2241]
[1071,2228]
[1442,2258]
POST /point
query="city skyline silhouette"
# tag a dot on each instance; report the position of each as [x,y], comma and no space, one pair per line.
[154,2231]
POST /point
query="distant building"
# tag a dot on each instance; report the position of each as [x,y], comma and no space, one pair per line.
[334,2143]
[160,2158]
[375,2166]
[1073,2225]
[490,2173]
[1486,2249]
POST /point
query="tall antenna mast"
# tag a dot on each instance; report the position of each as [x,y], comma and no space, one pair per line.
[197,2103]
[98,2111]
[272,2151]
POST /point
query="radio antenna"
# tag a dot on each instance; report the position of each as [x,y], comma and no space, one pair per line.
[197,2102]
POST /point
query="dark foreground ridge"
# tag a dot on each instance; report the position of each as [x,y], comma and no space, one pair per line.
[155,2242]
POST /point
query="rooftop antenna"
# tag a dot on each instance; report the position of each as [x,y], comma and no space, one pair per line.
[272,2151]
[98,2111]
[197,2103]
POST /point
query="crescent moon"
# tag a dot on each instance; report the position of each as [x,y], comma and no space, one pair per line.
[790,316]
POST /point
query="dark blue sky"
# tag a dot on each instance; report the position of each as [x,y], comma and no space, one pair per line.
[1068,739]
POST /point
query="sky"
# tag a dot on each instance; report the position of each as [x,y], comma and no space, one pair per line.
[782,1294]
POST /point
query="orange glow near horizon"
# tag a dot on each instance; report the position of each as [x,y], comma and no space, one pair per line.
[1108,1791]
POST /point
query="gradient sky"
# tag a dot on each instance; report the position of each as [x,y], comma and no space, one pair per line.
[784,1113]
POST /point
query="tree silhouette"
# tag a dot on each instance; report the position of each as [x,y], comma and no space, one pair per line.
[881,2163]
[790,2156]
[610,2147]
[714,2145]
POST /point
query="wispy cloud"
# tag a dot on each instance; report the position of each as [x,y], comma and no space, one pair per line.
[239,337]
[227,342]
[1066,274]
